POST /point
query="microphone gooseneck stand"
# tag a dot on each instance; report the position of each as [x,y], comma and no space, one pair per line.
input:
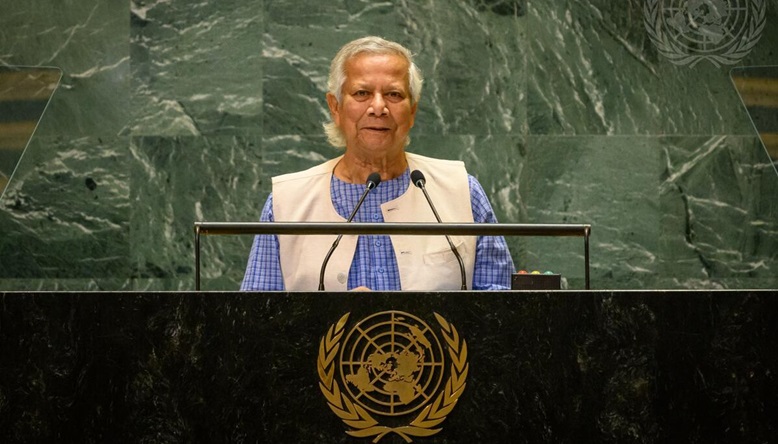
[417,177]
[372,181]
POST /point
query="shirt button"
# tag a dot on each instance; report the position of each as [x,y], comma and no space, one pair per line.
[377,243]
[380,269]
[376,216]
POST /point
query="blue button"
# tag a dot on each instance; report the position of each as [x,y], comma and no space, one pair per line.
[380,269]
[376,216]
[378,243]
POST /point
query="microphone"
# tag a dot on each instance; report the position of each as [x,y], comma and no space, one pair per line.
[372,181]
[417,177]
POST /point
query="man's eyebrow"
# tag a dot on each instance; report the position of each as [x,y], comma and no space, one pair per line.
[399,86]
[356,85]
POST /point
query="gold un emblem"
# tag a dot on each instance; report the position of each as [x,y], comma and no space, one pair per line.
[386,375]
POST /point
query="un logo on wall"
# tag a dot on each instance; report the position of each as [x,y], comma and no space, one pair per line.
[391,374]
[719,31]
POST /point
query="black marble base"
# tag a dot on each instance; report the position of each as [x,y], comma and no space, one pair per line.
[669,366]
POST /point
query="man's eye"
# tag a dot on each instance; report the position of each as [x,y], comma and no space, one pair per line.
[395,95]
[361,93]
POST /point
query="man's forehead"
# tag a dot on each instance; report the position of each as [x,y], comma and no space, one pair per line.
[366,68]
[370,61]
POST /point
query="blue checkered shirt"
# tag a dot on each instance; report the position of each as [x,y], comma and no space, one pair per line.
[374,265]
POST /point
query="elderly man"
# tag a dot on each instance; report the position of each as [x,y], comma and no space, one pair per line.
[374,89]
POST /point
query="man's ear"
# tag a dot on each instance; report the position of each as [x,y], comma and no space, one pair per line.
[332,102]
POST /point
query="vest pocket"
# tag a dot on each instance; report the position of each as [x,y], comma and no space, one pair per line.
[446,255]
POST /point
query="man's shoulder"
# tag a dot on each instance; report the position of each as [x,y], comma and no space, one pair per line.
[437,167]
[418,158]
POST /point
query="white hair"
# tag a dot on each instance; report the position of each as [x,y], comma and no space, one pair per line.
[337,77]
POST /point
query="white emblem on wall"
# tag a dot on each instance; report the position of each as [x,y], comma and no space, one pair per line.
[719,31]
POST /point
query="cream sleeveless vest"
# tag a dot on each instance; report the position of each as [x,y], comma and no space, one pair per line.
[425,262]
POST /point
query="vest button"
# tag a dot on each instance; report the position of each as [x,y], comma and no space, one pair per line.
[342,277]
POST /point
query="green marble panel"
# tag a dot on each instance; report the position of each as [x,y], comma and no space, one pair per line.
[719,213]
[294,86]
[65,213]
[594,71]
[588,180]
[287,154]
[177,181]
[196,67]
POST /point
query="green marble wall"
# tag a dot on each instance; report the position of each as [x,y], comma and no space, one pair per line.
[564,110]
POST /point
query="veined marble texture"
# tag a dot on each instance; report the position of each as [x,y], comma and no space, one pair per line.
[170,112]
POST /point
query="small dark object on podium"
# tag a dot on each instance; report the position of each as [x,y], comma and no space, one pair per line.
[536,281]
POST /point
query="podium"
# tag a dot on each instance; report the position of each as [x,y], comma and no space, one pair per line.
[563,366]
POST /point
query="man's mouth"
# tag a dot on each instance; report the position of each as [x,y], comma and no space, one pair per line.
[376,128]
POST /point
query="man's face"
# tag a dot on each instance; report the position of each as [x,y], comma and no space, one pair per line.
[375,111]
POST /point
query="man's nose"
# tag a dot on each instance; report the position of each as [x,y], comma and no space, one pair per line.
[378,105]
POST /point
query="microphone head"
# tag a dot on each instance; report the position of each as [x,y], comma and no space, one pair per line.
[373,180]
[417,177]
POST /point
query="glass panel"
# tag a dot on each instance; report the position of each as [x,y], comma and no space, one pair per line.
[24,95]
[758,88]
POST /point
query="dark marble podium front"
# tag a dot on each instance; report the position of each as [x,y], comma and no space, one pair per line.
[569,367]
